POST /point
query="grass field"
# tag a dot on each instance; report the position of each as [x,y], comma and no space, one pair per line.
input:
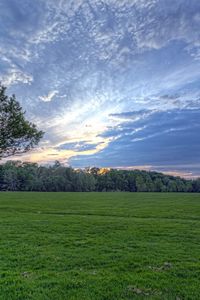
[99,246]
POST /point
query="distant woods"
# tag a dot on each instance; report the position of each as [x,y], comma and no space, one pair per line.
[18,176]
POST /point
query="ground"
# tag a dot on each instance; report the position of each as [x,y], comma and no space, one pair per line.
[99,246]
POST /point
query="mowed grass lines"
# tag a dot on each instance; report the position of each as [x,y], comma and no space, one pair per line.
[99,246]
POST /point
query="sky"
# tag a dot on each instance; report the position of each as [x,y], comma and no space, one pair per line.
[112,83]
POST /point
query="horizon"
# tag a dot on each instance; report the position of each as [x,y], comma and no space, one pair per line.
[113,84]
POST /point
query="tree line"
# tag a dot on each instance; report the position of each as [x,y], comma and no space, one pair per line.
[21,176]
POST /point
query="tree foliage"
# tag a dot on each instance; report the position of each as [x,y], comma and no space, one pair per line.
[19,176]
[17,135]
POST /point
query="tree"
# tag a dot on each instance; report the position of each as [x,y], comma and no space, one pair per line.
[11,177]
[17,135]
[196,185]
[140,183]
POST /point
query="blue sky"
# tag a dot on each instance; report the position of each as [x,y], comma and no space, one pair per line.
[112,83]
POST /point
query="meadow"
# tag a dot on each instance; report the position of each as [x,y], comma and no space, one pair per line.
[99,246]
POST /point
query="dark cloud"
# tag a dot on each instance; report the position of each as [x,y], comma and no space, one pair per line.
[166,140]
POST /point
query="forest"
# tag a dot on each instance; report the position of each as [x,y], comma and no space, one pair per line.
[23,176]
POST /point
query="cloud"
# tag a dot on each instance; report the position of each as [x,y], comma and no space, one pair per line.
[15,76]
[49,97]
[163,134]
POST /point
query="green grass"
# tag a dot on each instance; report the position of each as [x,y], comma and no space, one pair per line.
[99,246]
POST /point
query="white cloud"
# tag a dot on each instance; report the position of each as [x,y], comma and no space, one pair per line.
[16,76]
[49,97]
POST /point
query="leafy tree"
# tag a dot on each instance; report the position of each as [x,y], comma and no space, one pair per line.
[10,176]
[140,183]
[17,135]
[196,185]
[158,185]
